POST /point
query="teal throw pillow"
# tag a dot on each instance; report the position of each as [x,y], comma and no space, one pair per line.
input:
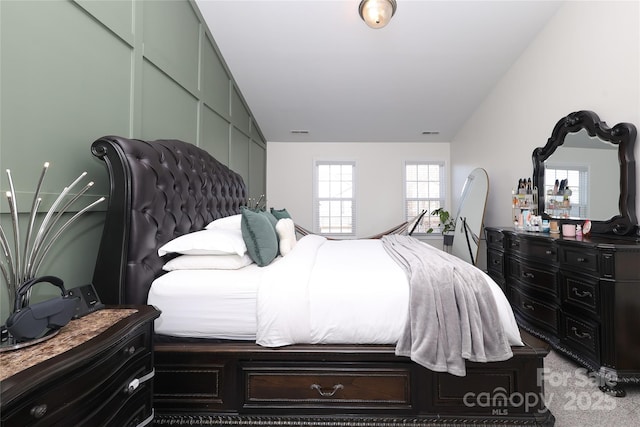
[280,213]
[259,236]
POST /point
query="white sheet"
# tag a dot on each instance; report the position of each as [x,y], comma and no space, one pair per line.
[272,305]
[207,303]
[347,291]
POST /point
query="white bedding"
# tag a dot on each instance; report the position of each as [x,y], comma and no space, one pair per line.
[323,291]
[342,291]
[207,303]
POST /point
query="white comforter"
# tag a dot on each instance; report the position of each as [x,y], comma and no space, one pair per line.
[342,291]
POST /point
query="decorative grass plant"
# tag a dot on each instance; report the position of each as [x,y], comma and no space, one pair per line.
[23,259]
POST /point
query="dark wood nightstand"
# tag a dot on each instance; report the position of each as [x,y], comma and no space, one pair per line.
[97,371]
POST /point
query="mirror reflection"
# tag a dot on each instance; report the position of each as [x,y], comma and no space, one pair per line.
[582,178]
[586,170]
[470,216]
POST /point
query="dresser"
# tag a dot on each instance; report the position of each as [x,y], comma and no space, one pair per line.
[580,294]
[97,371]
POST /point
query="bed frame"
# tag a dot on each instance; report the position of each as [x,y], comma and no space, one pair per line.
[162,189]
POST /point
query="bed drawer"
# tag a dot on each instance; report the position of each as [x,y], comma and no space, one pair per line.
[314,387]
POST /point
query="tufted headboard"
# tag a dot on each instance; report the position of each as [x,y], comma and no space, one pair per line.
[159,190]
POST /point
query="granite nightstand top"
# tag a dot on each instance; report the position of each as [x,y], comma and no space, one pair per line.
[73,334]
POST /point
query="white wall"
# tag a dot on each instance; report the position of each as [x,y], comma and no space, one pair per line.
[586,58]
[379,170]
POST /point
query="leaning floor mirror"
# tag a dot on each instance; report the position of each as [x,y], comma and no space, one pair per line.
[470,216]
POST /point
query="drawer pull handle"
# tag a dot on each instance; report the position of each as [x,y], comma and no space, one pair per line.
[581,259]
[135,383]
[582,294]
[496,261]
[129,351]
[580,335]
[528,275]
[548,252]
[38,411]
[318,387]
[528,306]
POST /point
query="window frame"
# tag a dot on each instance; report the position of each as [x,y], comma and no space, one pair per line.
[428,221]
[583,170]
[317,199]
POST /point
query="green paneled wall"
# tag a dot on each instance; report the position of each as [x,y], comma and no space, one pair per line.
[72,71]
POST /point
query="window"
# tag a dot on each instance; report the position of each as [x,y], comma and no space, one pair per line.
[424,190]
[334,197]
[577,179]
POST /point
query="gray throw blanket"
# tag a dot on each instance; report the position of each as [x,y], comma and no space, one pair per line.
[452,312]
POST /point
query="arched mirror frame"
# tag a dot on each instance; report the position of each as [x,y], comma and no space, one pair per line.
[623,135]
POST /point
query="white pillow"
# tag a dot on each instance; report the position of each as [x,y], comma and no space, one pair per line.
[227,223]
[287,235]
[206,242]
[208,262]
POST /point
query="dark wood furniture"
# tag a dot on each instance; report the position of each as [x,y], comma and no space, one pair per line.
[340,385]
[164,189]
[98,371]
[581,295]
[622,135]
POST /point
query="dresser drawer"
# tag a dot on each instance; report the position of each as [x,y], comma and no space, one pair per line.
[536,276]
[543,250]
[539,313]
[495,238]
[581,335]
[495,263]
[342,386]
[581,291]
[579,259]
[93,393]
[100,373]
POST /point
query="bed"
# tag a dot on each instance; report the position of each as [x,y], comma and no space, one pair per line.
[239,374]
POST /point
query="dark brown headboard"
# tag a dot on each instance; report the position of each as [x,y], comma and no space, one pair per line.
[159,190]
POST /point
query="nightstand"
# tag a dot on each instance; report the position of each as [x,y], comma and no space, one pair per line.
[97,371]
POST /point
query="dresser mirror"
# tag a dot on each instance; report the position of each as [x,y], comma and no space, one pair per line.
[587,171]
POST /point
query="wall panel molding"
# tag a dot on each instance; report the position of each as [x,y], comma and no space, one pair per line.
[72,71]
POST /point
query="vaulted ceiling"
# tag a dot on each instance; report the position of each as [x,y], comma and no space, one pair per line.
[313,65]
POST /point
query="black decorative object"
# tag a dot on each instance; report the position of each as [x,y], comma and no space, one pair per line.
[624,136]
[36,320]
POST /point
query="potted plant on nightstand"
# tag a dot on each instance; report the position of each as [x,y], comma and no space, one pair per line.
[447,225]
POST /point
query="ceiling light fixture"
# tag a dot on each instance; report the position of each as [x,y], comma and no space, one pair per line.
[377,13]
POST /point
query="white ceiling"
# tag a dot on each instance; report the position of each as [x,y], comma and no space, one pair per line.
[315,65]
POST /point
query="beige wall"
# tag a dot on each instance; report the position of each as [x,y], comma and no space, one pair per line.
[378,178]
[586,58]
